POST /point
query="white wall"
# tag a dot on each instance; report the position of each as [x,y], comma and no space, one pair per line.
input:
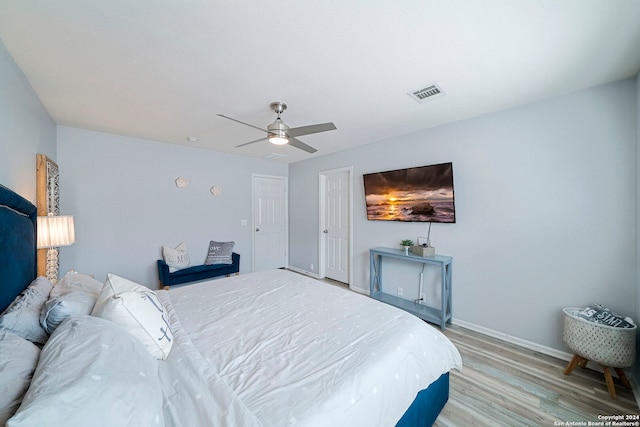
[545,200]
[25,129]
[126,205]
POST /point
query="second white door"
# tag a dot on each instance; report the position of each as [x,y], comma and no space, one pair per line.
[336,224]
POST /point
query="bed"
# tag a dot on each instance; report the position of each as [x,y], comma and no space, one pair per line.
[272,348]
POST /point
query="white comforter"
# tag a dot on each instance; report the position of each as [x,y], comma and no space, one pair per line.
[277,348]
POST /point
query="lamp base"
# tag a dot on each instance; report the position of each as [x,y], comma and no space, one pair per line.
[53,265]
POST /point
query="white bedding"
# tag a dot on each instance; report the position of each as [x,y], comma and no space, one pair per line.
[277,348]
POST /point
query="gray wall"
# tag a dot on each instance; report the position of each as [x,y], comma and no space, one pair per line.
[25,129]
[545,198]
[126,205]
[637,227]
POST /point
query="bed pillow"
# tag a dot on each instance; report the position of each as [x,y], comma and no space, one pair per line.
[72,303]
[18,361]
[176,258]
[92,373]
[23,315]
[219,253]
[138,310]
[74,281]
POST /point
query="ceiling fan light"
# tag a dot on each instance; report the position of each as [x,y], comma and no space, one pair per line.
[278,140]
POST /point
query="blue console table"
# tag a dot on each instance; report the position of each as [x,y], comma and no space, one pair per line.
[445,263]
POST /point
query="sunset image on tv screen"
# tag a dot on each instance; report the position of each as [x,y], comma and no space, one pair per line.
[419,194]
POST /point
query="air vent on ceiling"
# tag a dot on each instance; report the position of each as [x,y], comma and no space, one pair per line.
[274,156]
[427,93]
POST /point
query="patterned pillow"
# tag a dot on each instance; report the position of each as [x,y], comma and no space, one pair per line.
[58,309]
[22,317]
[219,253]
[600,314]
[176,258]
[138,310]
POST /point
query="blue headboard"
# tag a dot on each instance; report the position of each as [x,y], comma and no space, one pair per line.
[18,260]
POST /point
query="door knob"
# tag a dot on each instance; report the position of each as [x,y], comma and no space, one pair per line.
[325,231]
[257,229]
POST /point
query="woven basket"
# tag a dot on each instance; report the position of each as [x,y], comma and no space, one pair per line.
[603,344]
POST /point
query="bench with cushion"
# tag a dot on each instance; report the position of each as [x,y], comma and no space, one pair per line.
[197,272]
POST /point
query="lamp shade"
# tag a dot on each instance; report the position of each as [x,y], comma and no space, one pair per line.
[55,231]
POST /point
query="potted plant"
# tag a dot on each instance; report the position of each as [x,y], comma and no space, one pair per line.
[406,244]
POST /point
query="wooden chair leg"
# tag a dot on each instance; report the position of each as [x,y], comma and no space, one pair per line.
[609,380]
[623,378]
[575,361]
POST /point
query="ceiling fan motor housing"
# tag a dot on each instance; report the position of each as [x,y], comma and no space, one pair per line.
[278,132]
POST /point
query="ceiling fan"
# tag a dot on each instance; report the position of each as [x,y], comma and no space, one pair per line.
[280,134]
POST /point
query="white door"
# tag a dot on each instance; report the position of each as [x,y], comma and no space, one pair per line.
[336,195]
[269,222]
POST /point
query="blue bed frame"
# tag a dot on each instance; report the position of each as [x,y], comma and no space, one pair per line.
[427,405]
[18,260]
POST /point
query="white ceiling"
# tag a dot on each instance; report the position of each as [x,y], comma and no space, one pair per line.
[163,69]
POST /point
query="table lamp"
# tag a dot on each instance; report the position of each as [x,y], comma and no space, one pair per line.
[53,232]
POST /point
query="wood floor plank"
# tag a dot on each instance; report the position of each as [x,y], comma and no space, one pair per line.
[502,384]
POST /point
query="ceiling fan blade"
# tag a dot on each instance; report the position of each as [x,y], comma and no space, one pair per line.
[301,145]
[251,142]
[308,130]
[243,123]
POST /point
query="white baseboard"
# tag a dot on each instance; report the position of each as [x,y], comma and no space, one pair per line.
[514,340]
[316,276]
[305,272]
[562,355]
[360,290]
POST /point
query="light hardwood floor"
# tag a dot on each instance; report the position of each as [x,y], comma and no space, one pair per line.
[502,384]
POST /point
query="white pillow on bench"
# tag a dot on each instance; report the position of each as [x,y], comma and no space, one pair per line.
[176,258]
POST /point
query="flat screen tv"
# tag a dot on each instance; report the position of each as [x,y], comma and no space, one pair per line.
[418,194]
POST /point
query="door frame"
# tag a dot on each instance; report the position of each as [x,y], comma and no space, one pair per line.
[321,220]
[253,216]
